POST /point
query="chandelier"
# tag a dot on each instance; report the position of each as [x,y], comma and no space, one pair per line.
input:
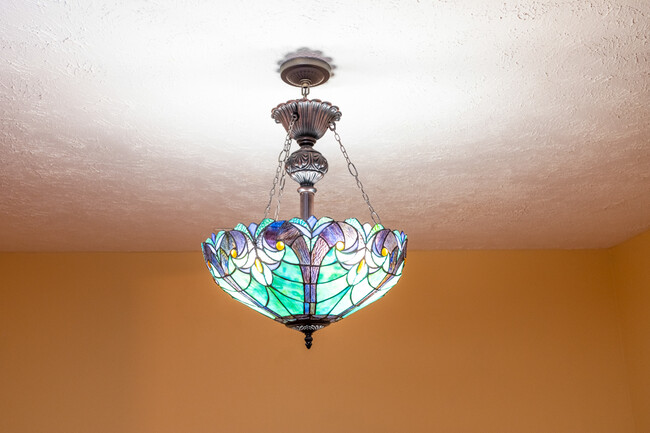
[306,272]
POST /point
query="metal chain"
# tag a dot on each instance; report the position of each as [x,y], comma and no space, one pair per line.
[283,178]
[279,172]
[355,174]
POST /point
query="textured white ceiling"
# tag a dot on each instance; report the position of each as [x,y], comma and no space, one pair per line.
[142,125]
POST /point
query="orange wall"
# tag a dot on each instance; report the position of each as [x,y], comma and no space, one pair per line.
[632,282]
[469,341]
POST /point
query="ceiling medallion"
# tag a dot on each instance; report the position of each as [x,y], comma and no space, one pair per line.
[306,272]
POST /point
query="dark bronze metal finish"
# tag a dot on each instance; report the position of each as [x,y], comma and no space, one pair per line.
[306,201]
[308,327]
[314,117]
[306,165]
[308,339]
[301,71]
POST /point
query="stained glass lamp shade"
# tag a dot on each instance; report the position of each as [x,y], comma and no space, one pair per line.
[306,272]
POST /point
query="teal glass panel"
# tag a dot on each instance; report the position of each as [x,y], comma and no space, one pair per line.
[331,272]
[375,279]
[291,306]
[331,288]
[242,229]
[289,272]
[258,292]
[275,305]
[325,307]
[290,256]
[360,291]
[290,289]
[242,279]
[343,305]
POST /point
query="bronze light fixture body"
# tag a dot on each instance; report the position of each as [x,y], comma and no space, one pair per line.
[306,273]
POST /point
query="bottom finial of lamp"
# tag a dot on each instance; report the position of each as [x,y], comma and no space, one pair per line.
[307,326]
[308,339]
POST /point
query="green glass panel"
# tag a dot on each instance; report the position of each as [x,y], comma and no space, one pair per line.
[282,305]
[258,292]
[324,307]
[242,279]
[242,228]
[343,305]
[290,256]
[290,289]
[289,272]
[376,278]
[360,291]
[331,272]
[275,305]
[331,288]
[298,221]
[375,229]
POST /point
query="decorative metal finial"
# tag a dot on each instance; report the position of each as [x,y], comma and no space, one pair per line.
[308,339]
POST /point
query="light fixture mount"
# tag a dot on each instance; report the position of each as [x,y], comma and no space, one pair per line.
[306,272]
[305,70]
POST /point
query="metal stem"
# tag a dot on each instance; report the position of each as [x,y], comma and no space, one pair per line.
[306,201]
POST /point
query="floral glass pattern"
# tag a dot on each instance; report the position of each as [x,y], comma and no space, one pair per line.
[315,271]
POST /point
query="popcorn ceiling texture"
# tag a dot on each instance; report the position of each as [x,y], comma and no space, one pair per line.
[141,126]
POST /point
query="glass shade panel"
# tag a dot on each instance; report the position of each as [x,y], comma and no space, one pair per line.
[299,272]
